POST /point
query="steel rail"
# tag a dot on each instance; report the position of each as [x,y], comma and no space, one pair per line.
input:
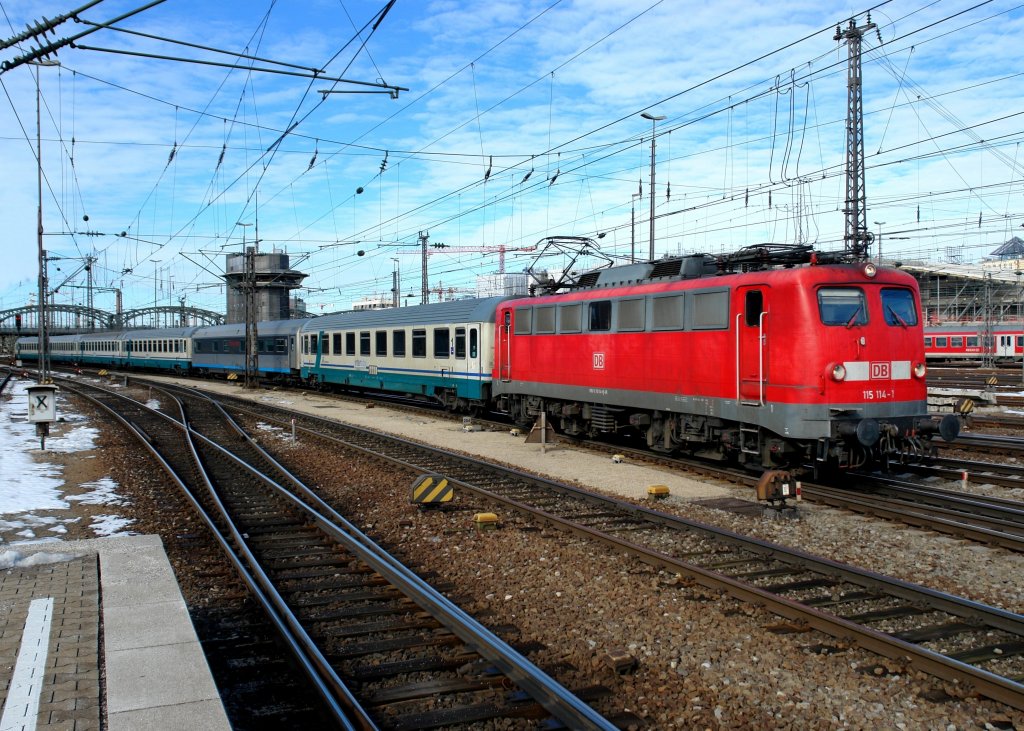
[994,686]
[341,716]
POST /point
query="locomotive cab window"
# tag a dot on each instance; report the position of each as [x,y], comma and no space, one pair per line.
[898,307]
[600,316]
[842,306]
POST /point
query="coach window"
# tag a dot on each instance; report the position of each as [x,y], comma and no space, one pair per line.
[842,306]
[350,343]
[544,320]
[381,344]
[898,307]
[941,342]
[1020,341]
[711,310]
[419,343]
[440,342]
[570,318]
[524,320]
[631,315]
[336,337]
[927,342]
[472,342]
[600,316]
[460,342]
[280,345]
[753,306]
[364,342]
[398,343]
[972,341]
[957,342]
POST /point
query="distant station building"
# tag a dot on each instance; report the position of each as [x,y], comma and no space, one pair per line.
[275,281]
[503,285]
[990,291]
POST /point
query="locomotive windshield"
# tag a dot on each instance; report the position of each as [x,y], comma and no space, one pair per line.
[842,306]
[898,306]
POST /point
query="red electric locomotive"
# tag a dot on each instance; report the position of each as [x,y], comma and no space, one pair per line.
[775,357]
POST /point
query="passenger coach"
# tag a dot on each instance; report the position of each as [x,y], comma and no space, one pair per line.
[441,351]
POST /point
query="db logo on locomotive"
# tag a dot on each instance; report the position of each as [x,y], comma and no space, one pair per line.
[881,369]
[598,361]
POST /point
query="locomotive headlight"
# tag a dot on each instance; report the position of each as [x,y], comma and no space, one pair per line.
[919,370]
[870,270]
[838,372]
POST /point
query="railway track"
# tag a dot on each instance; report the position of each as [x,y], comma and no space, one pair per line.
[382,648]
[951,637]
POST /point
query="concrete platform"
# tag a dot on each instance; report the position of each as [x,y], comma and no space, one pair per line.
[58,601]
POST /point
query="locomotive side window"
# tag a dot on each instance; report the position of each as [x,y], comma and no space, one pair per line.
[667,312]
[398,343]
[364,342]
[898,307]
[440,342]
[460,342]
[336,337]
[600,316]
[631,315]
[570,318]
[419,343]
[941,342]
[381,345]
[544,320]
[711,310]
[957,342]
[842,306]
[753,306]
[350,343]
[927,342]
[524,320]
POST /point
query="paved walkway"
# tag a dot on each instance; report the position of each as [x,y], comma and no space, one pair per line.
[58,599]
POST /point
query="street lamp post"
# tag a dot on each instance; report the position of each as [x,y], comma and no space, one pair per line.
[396,284]
[654,123]
[879,224]
[43,370]
[632,228]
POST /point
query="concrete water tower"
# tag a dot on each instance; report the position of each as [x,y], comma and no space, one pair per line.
[274,281]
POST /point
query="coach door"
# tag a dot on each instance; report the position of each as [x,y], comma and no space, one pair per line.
[751,344]
[1004,346]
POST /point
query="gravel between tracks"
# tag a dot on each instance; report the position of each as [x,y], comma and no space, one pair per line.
[704,661]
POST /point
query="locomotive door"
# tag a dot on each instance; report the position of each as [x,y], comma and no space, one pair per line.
[751,345]
[505,346]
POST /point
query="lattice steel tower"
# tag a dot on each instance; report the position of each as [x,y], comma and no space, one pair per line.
[857,237]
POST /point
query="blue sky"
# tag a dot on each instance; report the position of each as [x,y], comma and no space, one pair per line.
[175,155]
